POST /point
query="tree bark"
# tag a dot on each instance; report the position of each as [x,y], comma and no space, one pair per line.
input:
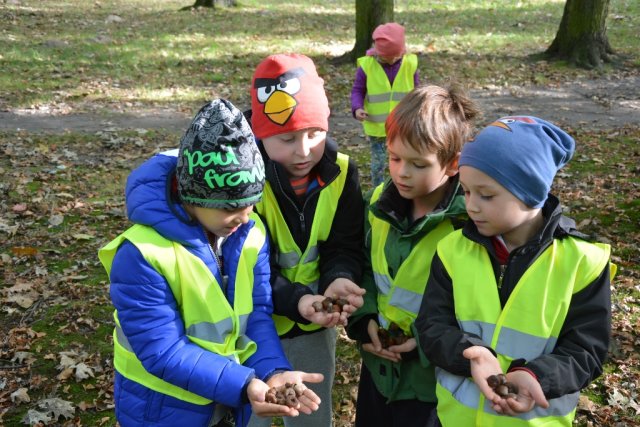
[582,36]
[369,14]
[211,4]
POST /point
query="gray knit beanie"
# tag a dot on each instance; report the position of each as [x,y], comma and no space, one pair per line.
[219,164]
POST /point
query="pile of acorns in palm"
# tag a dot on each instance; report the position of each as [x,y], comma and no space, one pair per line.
[502,387]
[286,394]
[330,305]
[392,336]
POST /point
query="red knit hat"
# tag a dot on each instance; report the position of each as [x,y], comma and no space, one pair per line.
[287,95]
[389,40]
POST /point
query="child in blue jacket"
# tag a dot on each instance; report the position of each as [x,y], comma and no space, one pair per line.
[194,342]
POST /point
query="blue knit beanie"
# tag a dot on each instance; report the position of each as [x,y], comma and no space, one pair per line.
[522,154]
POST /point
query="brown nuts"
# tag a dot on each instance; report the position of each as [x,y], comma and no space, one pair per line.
[392,336]
[285,394]
[330,305]
[502,387]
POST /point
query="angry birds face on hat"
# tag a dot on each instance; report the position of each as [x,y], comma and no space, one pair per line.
[287,95]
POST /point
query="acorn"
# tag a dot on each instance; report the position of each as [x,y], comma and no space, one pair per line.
[502,387]
[286,394]
[330,305]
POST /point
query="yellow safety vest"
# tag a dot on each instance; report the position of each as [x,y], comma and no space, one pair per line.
[382,97]
[399,298]
[527,327]
[209,319]
[297,265]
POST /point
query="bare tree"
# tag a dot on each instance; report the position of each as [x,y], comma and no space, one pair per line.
[582,36]
[369,14]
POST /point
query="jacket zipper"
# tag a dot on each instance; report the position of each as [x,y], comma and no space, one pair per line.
[224,277]
[303,222]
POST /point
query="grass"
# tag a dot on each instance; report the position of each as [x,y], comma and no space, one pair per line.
[136,53]
[62,195]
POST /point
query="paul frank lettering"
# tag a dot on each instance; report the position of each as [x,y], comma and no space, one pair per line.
[209,161]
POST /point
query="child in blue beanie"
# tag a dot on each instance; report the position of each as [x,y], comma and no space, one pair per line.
[516,291]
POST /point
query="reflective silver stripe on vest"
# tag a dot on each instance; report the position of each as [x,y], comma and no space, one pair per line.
[291,259]
[386,96]
[287,260]
[312,255]
[467,393]
[406,300]
[397,96]
[377,118]
[383,283]
[122,339]
[379,97]
[124,342]
[524,346]
[512,343]
[212,332]
[243,320]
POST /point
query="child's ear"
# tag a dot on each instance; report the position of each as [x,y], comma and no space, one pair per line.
[452,168]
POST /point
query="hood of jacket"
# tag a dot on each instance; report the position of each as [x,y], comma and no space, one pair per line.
[150,201]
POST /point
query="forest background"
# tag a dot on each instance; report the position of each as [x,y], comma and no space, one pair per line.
[83,65]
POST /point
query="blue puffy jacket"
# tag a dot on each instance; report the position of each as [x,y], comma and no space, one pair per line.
[151,320]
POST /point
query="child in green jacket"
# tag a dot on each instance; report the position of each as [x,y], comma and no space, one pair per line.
[406,217]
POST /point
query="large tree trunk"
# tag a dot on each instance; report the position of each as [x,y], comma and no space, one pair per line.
[582,36]
[211,4]
[369,14]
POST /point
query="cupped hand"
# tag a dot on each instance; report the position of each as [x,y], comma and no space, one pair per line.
[348,290]
[409,345]
[375,347]
[529,394]
[305,307]
[309,401]
[483,365]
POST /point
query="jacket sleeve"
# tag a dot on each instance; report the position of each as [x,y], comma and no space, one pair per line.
[359,320]
[358,91]
[436,328]
[342,255]
[269,356]
[151,321]
[582,344]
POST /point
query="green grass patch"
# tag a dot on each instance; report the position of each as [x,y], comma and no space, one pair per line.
[75,55]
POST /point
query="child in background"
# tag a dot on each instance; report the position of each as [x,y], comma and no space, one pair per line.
[406,218]
[384,76]
[518,290]
[194,340]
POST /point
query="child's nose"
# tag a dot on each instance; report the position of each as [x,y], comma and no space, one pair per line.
[304,146]
[471,204]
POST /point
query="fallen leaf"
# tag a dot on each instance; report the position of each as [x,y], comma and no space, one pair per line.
[20,396]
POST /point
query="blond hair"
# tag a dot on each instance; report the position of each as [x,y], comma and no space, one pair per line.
[434,119]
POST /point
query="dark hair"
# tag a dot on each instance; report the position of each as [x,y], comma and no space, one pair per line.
[434,119]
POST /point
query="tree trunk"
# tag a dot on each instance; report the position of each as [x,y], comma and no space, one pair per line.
[582,36]
[211,4]
[369,14]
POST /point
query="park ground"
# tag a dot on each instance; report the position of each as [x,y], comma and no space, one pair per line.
[91,89]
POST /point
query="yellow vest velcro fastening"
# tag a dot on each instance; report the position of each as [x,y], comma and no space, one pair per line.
[527,327]
[297,265]
[399,298]
[382,97]
[210,321]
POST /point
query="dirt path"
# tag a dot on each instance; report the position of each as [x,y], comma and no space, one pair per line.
[595,104]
